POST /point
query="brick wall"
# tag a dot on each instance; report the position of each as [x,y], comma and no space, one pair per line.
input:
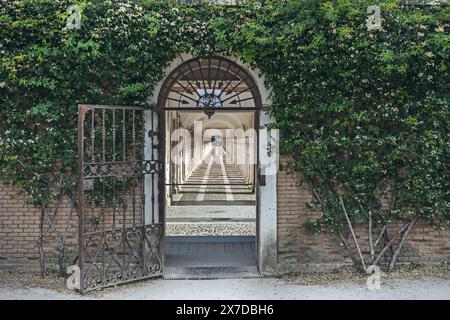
[300,250]
[19,230]
[297,249]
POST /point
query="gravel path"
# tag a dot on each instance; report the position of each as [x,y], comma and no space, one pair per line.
[205,221]
[206,213]
[211,229]
[237,289]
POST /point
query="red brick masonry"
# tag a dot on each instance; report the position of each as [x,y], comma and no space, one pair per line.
[19,230]
[297,248]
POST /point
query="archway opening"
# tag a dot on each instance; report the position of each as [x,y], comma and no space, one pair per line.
[211,110]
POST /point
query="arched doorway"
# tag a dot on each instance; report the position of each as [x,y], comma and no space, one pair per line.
[211,115]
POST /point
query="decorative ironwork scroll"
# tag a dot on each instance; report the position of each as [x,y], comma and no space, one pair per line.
[120,222]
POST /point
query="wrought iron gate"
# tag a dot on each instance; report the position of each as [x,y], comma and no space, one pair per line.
[121,222]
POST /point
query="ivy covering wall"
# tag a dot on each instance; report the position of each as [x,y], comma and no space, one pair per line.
[364,113]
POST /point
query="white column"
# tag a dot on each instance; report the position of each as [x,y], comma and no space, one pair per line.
[267,203]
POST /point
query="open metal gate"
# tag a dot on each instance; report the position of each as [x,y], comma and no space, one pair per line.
[121,199]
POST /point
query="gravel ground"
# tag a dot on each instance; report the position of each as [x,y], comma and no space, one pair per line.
[348,273]
[199,221]
[407,283]
[235,213]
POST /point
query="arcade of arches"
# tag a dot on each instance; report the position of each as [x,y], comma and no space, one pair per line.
[211,114]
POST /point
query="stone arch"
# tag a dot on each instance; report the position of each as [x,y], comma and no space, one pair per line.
[267,193]
[257,78]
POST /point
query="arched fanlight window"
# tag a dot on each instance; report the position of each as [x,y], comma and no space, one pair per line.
[209,84]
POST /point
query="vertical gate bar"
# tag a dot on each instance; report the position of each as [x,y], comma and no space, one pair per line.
[114,175]
[256,124]
[92,135]
[81,117]
[123,197]
[143,161]
[133,134]
[124,135]
[161,182]
[133,145]
[142,177]
[103,201]
[152,127]
[103,137]
[153,198]
[103,179]
[92,193]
